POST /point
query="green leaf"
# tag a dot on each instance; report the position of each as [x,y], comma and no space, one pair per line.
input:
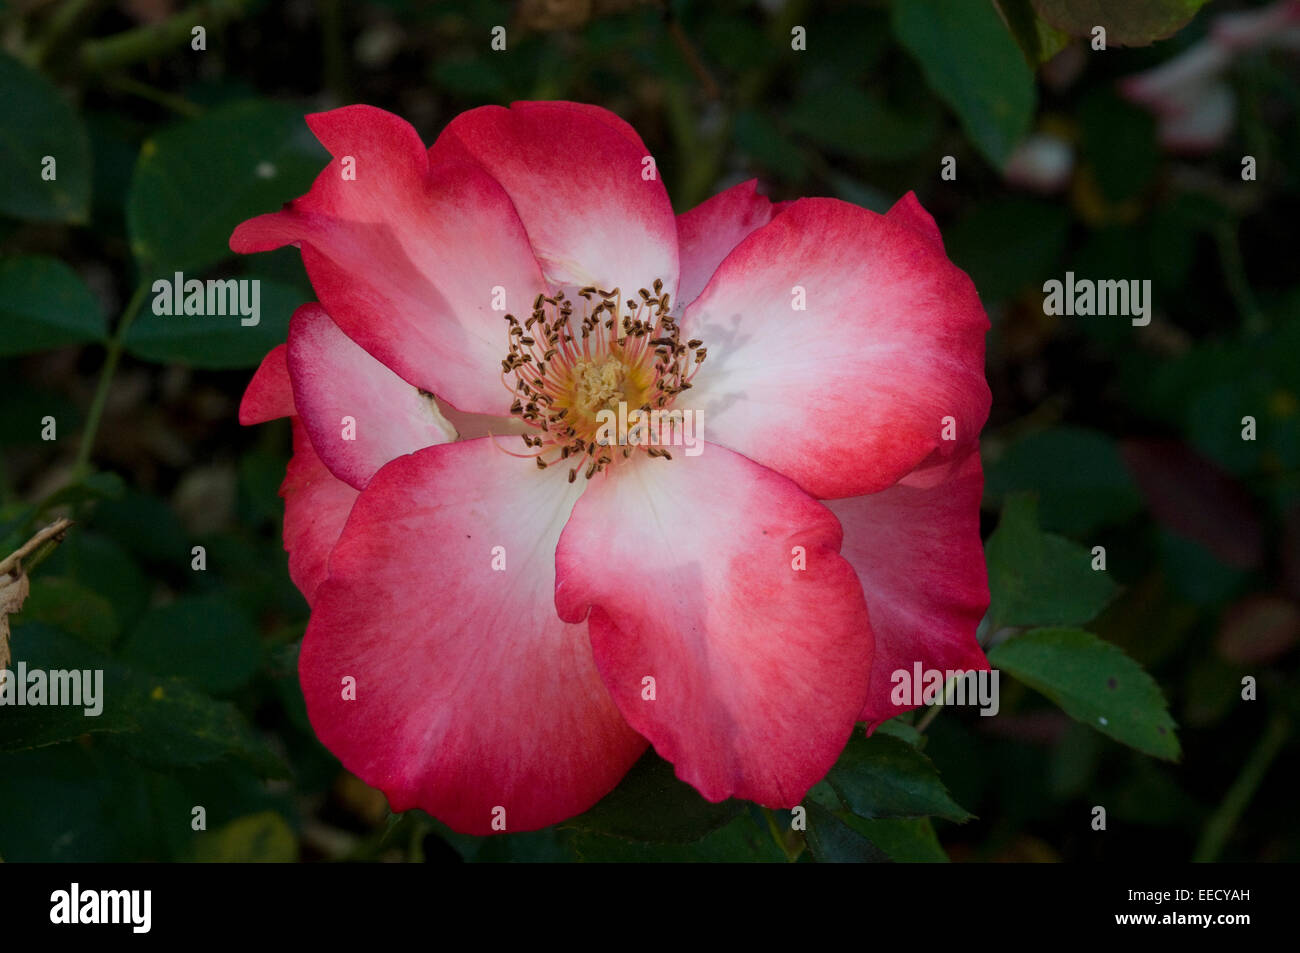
[67,605]
[822,793]
[651,804]
[37,122]
[1079,474]
[216,341]
[547,846]
[1127,22]
[263,838]
[104,567]
[204,639]
[69,803]
[145,526]
[902,731]
[1038,40]
[160,721]
[1009,245]
[197,180]
[883,776]
[741,840]
[44,304]
[1094,682]
[1119,144]
[1039,578]
[851,122]
[16,521]
[832,841]
[180,726]
[94,487]
[760,139]
[22,726]
[905,840]
[973,64]
[26,407]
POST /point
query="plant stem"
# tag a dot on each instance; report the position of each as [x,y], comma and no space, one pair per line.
[49,536]
[1220,826]
[177,104]
[66,16]
[165,36]
[46,550]
[1234,272]
[930,715]
[690,54]
[334,53]
[82,464]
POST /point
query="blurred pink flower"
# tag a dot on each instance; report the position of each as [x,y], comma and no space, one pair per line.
[1195,108]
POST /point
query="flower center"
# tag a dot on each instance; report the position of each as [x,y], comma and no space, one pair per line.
[579,367]
[600,386]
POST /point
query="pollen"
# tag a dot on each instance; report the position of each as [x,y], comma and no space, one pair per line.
[574,362]
[600,386]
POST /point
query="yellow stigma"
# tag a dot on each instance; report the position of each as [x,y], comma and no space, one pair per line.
[603,383]
[599,386]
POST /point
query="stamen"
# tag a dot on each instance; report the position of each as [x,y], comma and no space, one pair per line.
[563,382]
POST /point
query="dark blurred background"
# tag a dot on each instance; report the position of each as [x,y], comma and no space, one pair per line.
[1066,158]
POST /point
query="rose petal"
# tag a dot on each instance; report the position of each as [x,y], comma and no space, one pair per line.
[688,569]
[409,260]
[909,211]
[917,552]
[470,693]
[707,233]
[595,211]
[269,395]
[316,505]
[849,395]
[359,413]
[469,426]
